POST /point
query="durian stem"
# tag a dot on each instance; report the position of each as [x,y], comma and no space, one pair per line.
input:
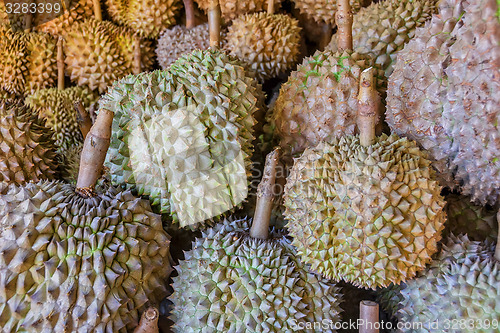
[326,36]
[29,21]
[368,106]
[97,10]
[148,322]
[60,64]
[190,18]
[344,19]
[270,7]
[94,152]
[214,23]
[368,313]
[137,66]
[84,120]
[497,249]
[265,197]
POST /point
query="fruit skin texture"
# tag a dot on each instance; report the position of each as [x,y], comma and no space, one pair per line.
[461,283]
[147,18]
[324,10]
[56,24]
[319,100]
[231,282]
[268,43]
[27,61]
[185,41]
[78,265]
[27,150]
[56,107]
[441,95]
[196,118]
[231,9]
[368,215]
[464,217]
[383,28]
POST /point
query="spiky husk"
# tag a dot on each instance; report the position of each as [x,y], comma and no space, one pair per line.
[383,28]
[324,10]
[232,282]
[125,40]
[464,217]
[27,150]
[441,94]
[268,43]
[27,61]
[57,108]
[231,9]
[368,215]
[175,42]
[92,54]
[460,284]
[55,23]
[147,18]
[319,100]
[183,136]
[76,264]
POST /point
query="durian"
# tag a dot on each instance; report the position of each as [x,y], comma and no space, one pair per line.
[242,279]
[74,260]
[183,136]
[56,106]
[27,149]
[383,28]
[442,95]
[318,102]
[231,9]
[146,18]
[365,209]
[464,217]
[180,40]
[268,42]
[325,10]
[27,61]
[460,285]
[56,21]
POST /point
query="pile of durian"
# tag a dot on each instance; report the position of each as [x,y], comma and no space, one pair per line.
[250,166]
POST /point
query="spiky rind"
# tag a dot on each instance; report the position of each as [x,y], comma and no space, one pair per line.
[324,10]
[383,28]
[196,120]
[441,95]
[268,43]
[76,264]
[231,9]
[368,215]
[146,18]
[460,284]
[319,100]
[27,62]
[56,23]
[92,54]
[232,282]
[57,108]
[175,42]
[27,150]
[465,217]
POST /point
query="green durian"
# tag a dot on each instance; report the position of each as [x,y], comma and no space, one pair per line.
[56,106]
[27,148]
[465,217]
[183,136]
[460,285]
[368,215]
